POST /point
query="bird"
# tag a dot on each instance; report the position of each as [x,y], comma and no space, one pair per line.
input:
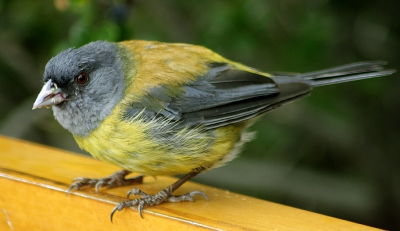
[156,108]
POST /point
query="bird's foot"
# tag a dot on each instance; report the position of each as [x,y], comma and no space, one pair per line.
[117,179]
[151,200]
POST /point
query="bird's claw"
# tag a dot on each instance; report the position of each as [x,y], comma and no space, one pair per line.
[82,182]
[115,180]
[187,197]
[136,191]
[151,200]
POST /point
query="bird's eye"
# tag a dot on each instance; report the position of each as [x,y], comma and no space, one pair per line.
[82,78]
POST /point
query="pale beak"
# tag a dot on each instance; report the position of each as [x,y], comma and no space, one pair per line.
[50,95]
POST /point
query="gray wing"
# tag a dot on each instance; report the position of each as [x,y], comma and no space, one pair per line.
[222,97]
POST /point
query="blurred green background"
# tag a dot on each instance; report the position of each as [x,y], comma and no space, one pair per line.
[335,152]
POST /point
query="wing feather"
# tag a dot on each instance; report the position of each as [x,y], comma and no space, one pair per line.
[224,96]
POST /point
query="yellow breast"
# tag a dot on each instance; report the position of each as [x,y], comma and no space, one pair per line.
[134,145]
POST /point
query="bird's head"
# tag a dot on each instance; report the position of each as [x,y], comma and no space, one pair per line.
[83,86]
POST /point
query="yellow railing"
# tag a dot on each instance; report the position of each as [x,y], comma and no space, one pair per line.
[34,180]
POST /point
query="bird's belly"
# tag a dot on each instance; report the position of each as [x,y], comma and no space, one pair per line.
[134,145]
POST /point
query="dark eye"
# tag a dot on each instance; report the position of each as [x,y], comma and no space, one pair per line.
[82,78]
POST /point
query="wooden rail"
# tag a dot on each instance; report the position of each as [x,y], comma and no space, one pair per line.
[34,180]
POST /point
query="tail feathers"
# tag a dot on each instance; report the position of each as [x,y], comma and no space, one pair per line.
[346,73]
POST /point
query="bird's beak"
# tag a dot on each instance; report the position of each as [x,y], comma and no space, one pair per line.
[49,95]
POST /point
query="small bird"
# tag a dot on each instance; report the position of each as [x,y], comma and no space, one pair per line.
[158,108]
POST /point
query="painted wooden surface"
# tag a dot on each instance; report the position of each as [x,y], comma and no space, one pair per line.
[34,180]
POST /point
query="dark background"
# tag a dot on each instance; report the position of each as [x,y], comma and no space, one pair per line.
[335,152]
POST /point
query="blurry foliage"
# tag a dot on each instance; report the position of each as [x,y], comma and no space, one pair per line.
[336,152]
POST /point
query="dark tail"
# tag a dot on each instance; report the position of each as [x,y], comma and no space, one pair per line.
[346,73]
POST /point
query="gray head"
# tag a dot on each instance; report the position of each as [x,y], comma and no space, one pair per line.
[83,86]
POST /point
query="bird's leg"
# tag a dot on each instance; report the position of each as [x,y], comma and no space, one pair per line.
[117,179]
[163,195]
